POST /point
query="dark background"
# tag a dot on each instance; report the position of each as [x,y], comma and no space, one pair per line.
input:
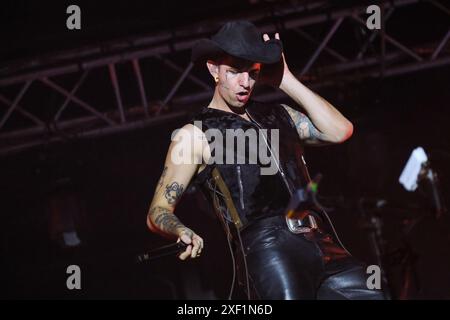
[110,180]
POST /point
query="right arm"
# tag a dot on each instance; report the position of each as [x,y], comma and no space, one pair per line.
[174,180]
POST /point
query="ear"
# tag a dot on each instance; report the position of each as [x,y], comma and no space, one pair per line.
[213,68]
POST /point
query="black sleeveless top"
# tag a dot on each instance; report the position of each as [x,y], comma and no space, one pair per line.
[243,188]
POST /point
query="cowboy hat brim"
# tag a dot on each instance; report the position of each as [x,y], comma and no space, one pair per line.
[267,52]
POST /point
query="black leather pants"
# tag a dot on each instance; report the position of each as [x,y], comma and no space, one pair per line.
[284,265]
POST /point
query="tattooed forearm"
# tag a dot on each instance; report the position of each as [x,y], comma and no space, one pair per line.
[173,192]
[304,125]
[161,180]
[165,220]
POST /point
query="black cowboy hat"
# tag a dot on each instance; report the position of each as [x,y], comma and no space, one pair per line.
[239,39]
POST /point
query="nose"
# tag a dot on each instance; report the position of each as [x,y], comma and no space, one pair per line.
[244,79]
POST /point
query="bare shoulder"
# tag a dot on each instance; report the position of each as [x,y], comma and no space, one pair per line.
[189,133]
[192,140]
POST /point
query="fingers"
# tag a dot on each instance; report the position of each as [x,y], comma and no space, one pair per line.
[194,248]
[198,246]
[186,239]
[267,38]
[186,253]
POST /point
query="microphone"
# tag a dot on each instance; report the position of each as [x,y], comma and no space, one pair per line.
[167,250]
[438,204]
[417,170]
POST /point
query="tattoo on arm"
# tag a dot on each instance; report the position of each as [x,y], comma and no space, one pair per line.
[304,125]
[162,217]
[173,192]
[165,220]
[161,179]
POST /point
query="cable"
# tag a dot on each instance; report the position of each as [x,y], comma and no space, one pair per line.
[228,234]
[233,281]
[245,265]
[233,258]
[330,222]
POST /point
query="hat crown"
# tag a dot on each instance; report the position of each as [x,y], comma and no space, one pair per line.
[239,39]
[238,31]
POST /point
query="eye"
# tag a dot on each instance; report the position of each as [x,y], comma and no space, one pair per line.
[232,71]
[254,74]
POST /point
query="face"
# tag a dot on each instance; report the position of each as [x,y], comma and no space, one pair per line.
[237,79]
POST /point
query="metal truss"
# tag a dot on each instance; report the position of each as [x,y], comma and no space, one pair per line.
[96,120]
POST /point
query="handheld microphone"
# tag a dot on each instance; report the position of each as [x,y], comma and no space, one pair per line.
[160,252]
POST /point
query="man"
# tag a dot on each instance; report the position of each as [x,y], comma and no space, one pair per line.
[278,256]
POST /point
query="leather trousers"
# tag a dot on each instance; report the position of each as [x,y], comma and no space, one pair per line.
[287,266]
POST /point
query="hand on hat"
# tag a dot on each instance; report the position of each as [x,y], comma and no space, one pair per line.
[277,36]
[272,74]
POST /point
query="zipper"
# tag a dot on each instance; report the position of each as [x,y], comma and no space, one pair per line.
[283,176]
[241,187]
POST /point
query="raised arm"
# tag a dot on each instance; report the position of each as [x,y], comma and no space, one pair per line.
[324,121]
[182,163]
[321,122]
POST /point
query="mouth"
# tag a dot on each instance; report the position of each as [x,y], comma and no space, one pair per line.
[243,96]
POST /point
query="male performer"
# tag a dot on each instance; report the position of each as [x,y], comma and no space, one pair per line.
[281,255]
